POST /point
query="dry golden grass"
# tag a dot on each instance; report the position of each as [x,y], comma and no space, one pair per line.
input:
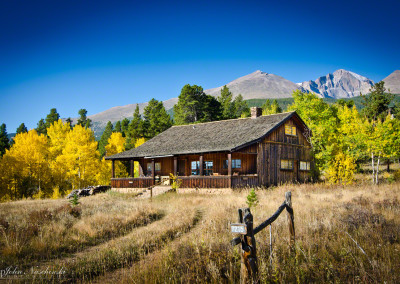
[185,237]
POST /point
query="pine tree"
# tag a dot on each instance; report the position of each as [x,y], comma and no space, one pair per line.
[227,106]
[52,117]
[135,129]
[189,106]
[252,199]
[125,127]
[83,120]
[41,127]
[241,109]
[377,102]
[117,127]
[69,120]
[22,128]
[4,141]
[156,118]
[211,109]
[104,138]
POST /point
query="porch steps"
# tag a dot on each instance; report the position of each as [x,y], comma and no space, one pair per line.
[157,190]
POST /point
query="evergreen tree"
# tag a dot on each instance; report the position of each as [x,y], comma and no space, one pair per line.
[377,102]
[52,117]
[211,109]
[124,127]
[156,118]
[117,127]
[4,141]
[69,120]
[135,129]
[83,120]
[241,109]
[227,106]
[189,107]
[104,138]
[22,128]
[195,106]
[41,127]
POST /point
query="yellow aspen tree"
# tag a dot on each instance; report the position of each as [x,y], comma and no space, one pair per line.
[116,144]
[28,162]
[138,142]
[80,157]
[57,133]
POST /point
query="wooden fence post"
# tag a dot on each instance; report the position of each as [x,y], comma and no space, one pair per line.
[249,267]
[290,216]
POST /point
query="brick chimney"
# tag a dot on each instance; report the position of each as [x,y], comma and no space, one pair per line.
[255,112]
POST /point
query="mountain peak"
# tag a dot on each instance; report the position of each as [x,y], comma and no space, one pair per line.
[392,82]
[339,84]
[258,85]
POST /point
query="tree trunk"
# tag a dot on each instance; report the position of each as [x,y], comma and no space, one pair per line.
[373,168]
[377,170]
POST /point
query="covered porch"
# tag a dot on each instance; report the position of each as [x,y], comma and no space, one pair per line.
[218,170]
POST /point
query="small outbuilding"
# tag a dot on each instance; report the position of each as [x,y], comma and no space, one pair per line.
[255,151]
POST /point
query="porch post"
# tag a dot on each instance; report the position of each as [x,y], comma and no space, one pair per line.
[230,168]
[175,165]
[132,172]
[201,164]
[113,168]
[153,171]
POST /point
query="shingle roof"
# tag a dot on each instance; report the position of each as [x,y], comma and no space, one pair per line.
[216,136]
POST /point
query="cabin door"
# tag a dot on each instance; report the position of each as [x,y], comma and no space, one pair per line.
[181,167]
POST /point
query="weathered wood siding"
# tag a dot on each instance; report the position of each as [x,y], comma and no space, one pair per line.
[277,146]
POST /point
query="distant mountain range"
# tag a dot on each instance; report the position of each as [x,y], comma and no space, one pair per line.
[262,85]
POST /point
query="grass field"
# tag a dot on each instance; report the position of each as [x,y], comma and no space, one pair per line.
[343,234]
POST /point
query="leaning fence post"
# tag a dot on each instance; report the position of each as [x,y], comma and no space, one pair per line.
[290,216]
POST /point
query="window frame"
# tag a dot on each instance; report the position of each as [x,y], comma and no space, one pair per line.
[287,168]
[208,171]
[290,130]
[308,165]
[234,164]
[156,165]
[196,170]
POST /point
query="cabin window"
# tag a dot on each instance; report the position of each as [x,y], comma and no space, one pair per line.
[195,168]
[287,164]
[208,168]
[236,164]
[304,166]
[157,167]
[290,130]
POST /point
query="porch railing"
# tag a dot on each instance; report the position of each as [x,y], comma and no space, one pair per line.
[139,182]
[191,182]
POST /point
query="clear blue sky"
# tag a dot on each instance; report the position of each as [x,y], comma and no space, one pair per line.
[76,54]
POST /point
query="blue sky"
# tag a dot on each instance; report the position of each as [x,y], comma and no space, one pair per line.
[99,54]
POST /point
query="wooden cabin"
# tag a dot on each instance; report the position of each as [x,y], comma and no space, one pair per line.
[255,151]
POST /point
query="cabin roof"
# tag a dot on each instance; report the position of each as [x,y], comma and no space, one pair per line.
[216,136]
